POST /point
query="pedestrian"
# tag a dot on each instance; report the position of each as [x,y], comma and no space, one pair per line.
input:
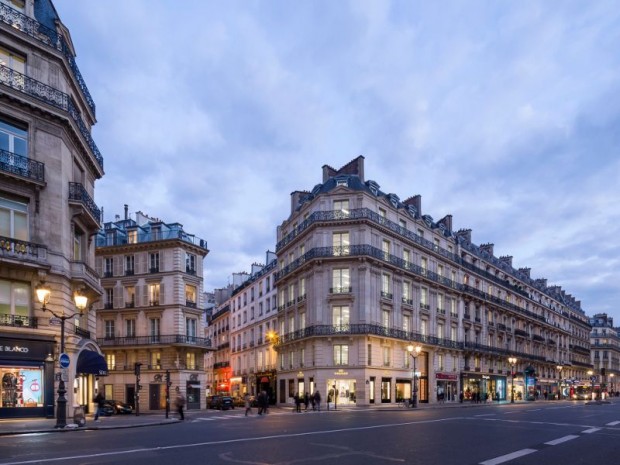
[317,400]
[180,404]
[306,401]
[297,399]
[497,396]
[100,403]
[313,402]
[248,404]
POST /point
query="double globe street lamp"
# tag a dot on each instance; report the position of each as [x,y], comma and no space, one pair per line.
[414,352]
[513,362]
[43,295]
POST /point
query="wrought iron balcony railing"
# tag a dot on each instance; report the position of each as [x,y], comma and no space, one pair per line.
[15,248]
[82,332]
[157,340]
[50,38]
[51,96]
[18,321]
[77,193]
[22,166]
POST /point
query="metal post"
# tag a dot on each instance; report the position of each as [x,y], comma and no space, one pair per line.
[61,402]
[335,398]
[512,390]
[414,404]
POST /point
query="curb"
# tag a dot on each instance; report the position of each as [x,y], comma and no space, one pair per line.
[88,428]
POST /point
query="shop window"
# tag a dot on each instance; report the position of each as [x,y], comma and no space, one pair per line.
[21,387]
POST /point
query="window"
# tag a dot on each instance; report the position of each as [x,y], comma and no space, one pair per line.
[369,355]
[78,240]
[382,215]
[291,293]
[154,262]
[341,280]
[386,356]
[440,270]
[109,329]
[108,267]
[424,297]
[424,327]
[111,361]
[341,354]
[407,257]
[190,296]
[341,208]
[340,315]
[190,361]
[403,225]
[440,331]
[15,301]
[424,265]
[385,318]
[154,294]
[407,323]
[440,304]
[440,361]
[302,287]
[109,297]
[453,333]
[190,263]
[156,360]
[406,358]
[129,265]
[154,324]
[130,328]
[13,219]
[132,237]
[385,248]
[15,63]
[407,293]
[260,308]
[191,325]
[436,243]
[385,286]
[302,321]
[130,296]
[341,244]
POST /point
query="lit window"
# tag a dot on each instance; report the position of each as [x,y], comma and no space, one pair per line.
[13,219]
[341,244]
[341,354]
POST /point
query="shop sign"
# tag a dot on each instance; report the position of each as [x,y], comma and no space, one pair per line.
[341,372]
[21,349]
[446,376]
[300,374]
[236,379]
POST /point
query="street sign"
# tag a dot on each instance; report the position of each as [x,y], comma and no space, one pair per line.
[55,321]
[593,378]
[64,360]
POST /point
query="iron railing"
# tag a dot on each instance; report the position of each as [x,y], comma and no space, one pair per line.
[18,321]
[77,193]
[157,340]
[22,249]
[51,96]
[49,37]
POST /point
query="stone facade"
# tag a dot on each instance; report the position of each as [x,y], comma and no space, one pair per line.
[48,167]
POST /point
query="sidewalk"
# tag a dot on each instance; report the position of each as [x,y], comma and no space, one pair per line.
[42,425]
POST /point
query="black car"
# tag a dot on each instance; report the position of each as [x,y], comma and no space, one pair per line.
[220,402]
[116,406]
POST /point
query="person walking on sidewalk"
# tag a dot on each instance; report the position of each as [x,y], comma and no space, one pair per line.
[247,403]
[317,400]
[100,403]
[180,404]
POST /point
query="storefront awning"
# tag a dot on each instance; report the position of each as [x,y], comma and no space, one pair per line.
[264,379]
[92,363]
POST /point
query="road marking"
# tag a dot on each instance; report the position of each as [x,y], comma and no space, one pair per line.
[591,430]
[613,423]
[555,442]
[508,457]
[486,415]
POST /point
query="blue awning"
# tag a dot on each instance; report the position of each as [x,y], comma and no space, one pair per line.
[91,363]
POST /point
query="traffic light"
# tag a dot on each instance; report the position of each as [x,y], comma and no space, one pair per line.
[136,368]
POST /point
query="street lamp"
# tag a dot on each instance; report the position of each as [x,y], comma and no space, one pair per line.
[559,368]
[513,362]
[43,295]
[414,352]
[591,375]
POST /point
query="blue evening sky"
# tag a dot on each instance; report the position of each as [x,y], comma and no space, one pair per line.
[504,114]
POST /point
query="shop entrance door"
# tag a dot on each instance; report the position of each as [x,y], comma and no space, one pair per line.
[154,398]
[130,394]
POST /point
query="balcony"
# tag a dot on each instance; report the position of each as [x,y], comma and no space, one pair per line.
[129,272]
[301,298]
[154,269]
[386,295]
[521,333]
[153,303]
[86,205]
[441,311]
[23,168]
[18,321]
[22,251]
[82,332]
[340,290]
[107,274]
[48,37]
[407,301]
[108,306]
[131,304]
[190,304]
[85,275]
[426,307]
[454,314]
[191,271]
[161,340]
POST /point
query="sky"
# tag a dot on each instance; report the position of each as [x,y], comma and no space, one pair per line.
[505,115]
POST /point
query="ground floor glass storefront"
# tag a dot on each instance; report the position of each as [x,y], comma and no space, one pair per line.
[482,387]
[341,391]
[21,386]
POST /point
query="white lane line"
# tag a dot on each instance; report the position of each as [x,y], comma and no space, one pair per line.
[486,415]
[591,430]
[508,457]
[613,423]
[555,442]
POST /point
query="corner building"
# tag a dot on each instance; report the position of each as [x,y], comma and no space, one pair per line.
[362,275]
[49,164]
[152,311]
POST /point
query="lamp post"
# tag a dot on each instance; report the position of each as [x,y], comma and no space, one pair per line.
[611,381]
[559,368]
[43,295]
[414,352]
[513,362]
[591,375]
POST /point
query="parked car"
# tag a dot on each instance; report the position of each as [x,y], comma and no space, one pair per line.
[118,407]
[220,402]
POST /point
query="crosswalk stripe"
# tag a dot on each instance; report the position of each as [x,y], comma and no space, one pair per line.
[613,423]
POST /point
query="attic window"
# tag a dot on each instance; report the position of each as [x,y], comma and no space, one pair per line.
[342,182]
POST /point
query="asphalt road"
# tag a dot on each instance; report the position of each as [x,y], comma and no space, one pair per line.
[524,434]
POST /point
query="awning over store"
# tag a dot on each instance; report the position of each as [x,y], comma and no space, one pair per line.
[92,363]
[264,379]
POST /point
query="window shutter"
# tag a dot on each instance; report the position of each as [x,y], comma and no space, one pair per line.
[145,295]
[118,296]
[118,266]
[161,294]
[141,262]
